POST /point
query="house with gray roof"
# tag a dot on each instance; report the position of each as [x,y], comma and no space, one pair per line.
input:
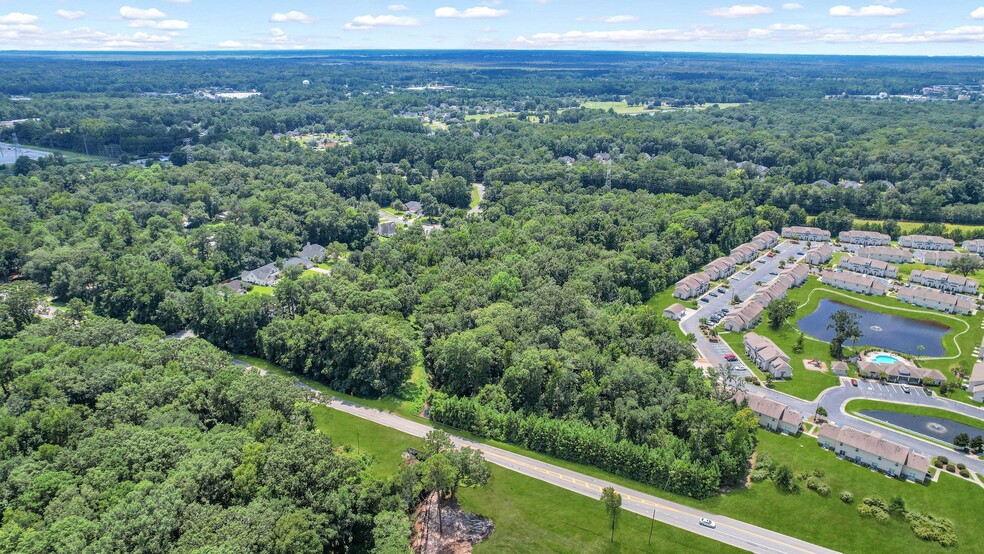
[975,245]
[874,451]
[313,252]
[946,282]
[774,416]
[861,284]
[926,242]
[864,238]
[867,266]
[305,264]
[937,300]
[413,207]
[941,258]
[819,255]
[386,229]
[888,254]
[810,234]
[266,275]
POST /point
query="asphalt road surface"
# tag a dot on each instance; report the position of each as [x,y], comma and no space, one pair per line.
[729,531]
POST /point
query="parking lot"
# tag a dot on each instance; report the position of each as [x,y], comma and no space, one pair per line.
[876,389]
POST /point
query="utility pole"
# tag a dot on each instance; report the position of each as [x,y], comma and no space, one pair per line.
[651,524]
[17,148]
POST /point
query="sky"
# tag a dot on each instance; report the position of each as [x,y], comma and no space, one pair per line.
[882,27]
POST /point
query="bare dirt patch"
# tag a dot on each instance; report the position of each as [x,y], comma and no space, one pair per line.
[450,531]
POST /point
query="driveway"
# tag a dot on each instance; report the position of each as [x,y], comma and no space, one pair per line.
[481,196]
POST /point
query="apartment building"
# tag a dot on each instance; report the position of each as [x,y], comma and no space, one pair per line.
[864,238]
[692,285]
[888,254]
[767,356]
[874,451]
[926,242]
[811,234]
[861,284]
[946,282]
[867,266]
[937,300]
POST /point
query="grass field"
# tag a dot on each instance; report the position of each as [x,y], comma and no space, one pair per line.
[624,108]
[482,116]
[855,406]
[908,226]
[475,198]
[70,156]
[529,515]
[260,289]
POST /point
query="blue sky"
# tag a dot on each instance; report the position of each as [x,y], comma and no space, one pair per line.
[919,27]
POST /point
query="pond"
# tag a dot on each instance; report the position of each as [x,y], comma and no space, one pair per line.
[901,334]
[935,427]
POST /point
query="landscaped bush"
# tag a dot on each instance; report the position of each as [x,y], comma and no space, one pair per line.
[930,528]
[764,462]
[874,512]
[961,466]
[759,475]
[951,468]
[847,497]
[943,459]
[938,463]
[816,485]
[965,474]
[875,501]
[897,505]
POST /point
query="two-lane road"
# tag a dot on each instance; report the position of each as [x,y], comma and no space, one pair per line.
[729,531]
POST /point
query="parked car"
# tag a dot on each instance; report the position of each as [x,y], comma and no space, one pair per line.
[730,357]
[705,299]
[773,273]
[771,254]
[905,389]
[761,260]
[854,382]
[725,309]
[722,290]
[929,392]
[714,294]
[707,523]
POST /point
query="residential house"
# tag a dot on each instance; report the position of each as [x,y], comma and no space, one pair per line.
[675,312]
[944,281]
[566,160]
[765,239]
[721,268]
[839,368]
[937,300]
[767,356]
[902,371]
[871,450]
[864,238]
[774,416]
[799,273]
[386,229]
[975,245]
[935,257]
[847,184]
[692,285]
[819,255]
[413,207]
[867,266]
[313,252]
[926,242]
[233,286]
[861,284]
[811,234]
[744,253]
[888,254]
[305,264]
[744,318]
[822,183]
[266,275]
[976,383]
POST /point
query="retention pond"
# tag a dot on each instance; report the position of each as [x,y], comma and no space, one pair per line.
[934,427]
[901,334]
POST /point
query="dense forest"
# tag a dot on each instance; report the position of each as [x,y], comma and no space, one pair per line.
[529,319]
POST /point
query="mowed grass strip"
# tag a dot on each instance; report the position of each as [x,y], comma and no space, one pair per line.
[857,405]
[529,515]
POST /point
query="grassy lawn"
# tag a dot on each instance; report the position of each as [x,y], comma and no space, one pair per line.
[908,226]
[664,300]
[804,384]
[475,198]
[516,504]
[260,289]
[482,116]
[70,156]
[621,107]
[855,406]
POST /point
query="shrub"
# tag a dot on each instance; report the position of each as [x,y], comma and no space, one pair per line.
[938,463]
[764,462]
[930,528]
[943,459]
[759,475]
[965,474]
[818,486]
[961,466]
[875,501]
[847,497]
[897,505]
[951,468]
[875,512]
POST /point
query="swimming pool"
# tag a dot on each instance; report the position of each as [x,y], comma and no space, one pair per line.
[884,359]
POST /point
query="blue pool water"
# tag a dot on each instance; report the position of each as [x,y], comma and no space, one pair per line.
[884,359]
[901,334]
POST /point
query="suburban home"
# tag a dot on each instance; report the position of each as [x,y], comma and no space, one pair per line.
[902,371]
[867,266]
[811,234]
[675,312]
[944,281]
[871,450]
[721,268]
[864,238]
[976,383]
[975,245]
[926,242]
[774,416]
[888,254]
[819,255]
[264,276]
[313,252]
[937,300]
[767,356]
[937,257]
[386,229]
[306,264]
[839,368]
[233,286]
[413,207]
[861,284]
[744,318]
[799,273]
[766,239]
[848,184]
[692,285]
[744,253]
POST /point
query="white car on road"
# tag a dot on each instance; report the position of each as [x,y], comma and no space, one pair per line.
[707,523]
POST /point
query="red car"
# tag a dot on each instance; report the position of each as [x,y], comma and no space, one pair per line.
[730,357]
[771,254]
[854,382]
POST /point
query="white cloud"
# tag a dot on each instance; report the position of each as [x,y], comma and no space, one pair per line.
[978,13]
[69,14]
[740,10]
[230,44]
[18,18]
[970,33]
[127,12]
[792,6]
[638,36]
[397,8]
[788,27]
[469,13]
[873,10]
[292,16]
[620,19]
[367,22]
[167,24]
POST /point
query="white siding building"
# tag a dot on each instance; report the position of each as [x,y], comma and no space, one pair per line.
[861,284]
[871,450]
[937,300]
[926,242]
[886,254]
[867,266]
[944,281]
[811,234]
[864,238]
[938,258]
